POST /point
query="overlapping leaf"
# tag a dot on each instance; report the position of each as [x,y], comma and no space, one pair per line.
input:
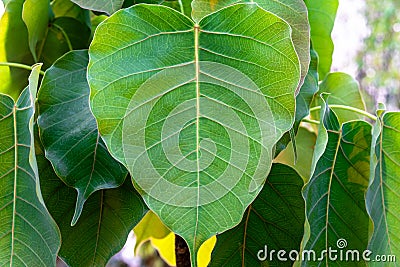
[69,132]
[193,111]
[108,6]
[293,12]
[108,217]
[335,207]
[382,196]
[343,90]
[274,221]
[321,15]
[14,47]
[28,235]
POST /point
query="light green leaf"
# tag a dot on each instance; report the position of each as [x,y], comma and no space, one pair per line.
[35,14]
[321,15]
[274,221]
[14,47]
[382,196]
[29,236]
[108,6]
[343,90]
[108,217]
[197,116]
[69,132]
[305,142]
[335,208]
[293,12]
[64,34]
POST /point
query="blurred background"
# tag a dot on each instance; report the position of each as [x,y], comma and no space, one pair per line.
[367,46]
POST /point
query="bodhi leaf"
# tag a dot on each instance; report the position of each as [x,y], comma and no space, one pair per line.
[198,116]
[335,209]
[29,236]
[293,12]
[36,24]
[108,6]
[343,90]
[14,47]
[274,221]
[382,196]
[69,132]
[108,217]
[321,15]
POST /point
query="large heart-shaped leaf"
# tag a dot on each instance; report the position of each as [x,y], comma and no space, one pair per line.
[335,208]
[194,110]
[14,47]
[69,132]
[28,235]
[274,221]
[382,196]
[321,15]
[293,12]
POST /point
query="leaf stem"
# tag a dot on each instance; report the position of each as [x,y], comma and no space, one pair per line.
[18,65]
[353,109]
[310,121]
[65,36]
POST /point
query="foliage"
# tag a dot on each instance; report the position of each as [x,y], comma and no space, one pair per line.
[203,119]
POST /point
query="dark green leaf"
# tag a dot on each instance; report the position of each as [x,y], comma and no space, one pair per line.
[108,6]
[383,193]
[69,132]
[335,206]
[28,235]
[274,221]
[321,15]
[197,116]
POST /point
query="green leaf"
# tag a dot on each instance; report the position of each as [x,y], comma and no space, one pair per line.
[108,217]
[303,101]
[69,132]
[305,142]
[108,6]
[274,221]
[66,8]
[335,207]
[321,15]
[184,6]
[382,196]
[197,116]
[343,90]
[293,12]
[29,236]
[64,34]
[14,48]
[35,14]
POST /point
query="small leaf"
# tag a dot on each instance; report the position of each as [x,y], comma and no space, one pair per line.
[274,221]
[382,196]
[69,132]
[321,15]
[197,116]
[35,14]
[29,236]
[14,48]
[334,195]
[293,12]
[343,90]
[108,6]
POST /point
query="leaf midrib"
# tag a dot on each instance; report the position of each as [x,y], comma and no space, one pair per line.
[15,183]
